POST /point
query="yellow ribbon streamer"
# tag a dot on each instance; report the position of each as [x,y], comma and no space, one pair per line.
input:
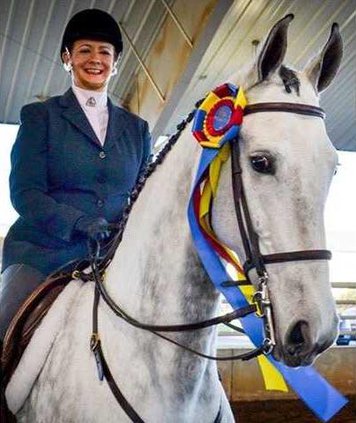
[273,379]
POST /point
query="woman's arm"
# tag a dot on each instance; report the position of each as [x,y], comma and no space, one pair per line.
[28,178]
[147,147]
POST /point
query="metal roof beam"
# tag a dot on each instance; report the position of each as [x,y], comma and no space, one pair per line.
[177,22]
[142,64]
[135,38]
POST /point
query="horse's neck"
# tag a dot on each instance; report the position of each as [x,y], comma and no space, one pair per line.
[155,273]
[156,278]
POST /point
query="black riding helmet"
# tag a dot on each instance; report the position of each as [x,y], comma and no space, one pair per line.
[92,24]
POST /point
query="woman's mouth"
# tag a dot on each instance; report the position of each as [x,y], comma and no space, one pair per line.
[93,71]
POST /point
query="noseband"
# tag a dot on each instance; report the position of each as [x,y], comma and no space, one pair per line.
[254,257]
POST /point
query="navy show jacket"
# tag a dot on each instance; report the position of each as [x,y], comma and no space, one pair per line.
[61,172]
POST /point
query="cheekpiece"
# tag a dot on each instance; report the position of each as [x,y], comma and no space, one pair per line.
[219,117]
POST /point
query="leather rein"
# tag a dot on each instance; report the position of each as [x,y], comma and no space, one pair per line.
[254,259]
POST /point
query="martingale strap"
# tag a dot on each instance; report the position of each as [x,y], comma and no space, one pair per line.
[214,127]
[103,368]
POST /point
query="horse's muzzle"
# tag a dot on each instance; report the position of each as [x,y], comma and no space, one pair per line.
[300,347]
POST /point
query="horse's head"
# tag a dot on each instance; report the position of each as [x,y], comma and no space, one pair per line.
[287,163]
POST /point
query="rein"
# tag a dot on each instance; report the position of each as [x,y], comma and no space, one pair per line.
[254,259]
[101,292]
[95,343]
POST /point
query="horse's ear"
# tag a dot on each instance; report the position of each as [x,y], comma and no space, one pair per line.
[274,48]
[323,68]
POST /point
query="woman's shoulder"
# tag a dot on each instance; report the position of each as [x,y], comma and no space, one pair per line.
[129,115]
[39,107]
[32,111]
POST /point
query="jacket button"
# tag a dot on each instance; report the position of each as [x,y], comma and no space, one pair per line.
[100,203]
[102,154]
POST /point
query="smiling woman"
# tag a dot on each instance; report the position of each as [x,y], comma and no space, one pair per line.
[75,159]
[91,63]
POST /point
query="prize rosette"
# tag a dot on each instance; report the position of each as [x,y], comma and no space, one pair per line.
[219,117]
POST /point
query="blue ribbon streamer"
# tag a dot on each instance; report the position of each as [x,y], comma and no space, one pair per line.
[321,397]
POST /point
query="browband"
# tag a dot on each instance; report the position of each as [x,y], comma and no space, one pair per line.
[300,109]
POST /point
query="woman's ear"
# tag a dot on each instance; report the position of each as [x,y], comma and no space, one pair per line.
[117,58]
[67,62]
[116,62]
[114,69]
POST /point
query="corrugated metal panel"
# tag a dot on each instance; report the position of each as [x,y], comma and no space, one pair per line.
[31,30]
[168,57]
[250,20]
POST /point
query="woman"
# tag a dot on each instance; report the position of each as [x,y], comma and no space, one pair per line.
[74,162]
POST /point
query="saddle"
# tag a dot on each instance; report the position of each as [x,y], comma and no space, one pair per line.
[22,327]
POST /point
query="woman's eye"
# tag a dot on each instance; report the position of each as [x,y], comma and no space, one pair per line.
[263,164]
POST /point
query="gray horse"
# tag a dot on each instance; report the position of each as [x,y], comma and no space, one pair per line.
[156,275]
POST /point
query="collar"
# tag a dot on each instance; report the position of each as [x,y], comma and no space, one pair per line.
[90,100]
[73,112]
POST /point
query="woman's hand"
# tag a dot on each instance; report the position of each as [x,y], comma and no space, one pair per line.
[94,228]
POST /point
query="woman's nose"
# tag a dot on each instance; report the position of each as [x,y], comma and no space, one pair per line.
[94,57]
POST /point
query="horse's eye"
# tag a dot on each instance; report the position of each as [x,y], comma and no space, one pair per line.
[263,164]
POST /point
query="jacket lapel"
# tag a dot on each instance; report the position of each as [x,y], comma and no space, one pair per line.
[116,125]
[76,116]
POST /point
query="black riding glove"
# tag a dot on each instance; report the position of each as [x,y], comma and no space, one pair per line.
[95,228]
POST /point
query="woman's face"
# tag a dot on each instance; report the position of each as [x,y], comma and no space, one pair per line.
[92,63]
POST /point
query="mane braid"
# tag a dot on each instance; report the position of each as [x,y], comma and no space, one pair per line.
[135,192]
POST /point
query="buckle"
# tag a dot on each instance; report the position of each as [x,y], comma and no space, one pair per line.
[257,300]
[76,274]
[263,279]
[267,345]
[94,341]
[261,297]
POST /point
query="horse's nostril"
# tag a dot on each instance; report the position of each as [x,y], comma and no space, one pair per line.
[296,335]
[297,338]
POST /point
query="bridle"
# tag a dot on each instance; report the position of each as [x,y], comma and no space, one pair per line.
[254,259]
